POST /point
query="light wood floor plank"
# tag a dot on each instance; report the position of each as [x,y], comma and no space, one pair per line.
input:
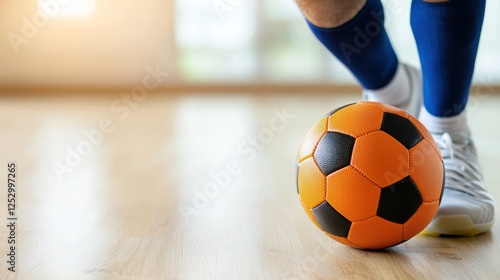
[143,203]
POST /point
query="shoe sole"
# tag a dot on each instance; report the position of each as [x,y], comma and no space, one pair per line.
[458,225]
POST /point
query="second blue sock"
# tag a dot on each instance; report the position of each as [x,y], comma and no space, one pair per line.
[447,36]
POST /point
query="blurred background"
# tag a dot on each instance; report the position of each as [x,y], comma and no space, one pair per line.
[108,43]
[122,115]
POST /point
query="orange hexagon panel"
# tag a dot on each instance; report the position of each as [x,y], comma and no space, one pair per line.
[420,219]
[352,194]
[381,158]
[387,108]
[311,139]
[356,120]
[375,233]
[312,183]
[426,170]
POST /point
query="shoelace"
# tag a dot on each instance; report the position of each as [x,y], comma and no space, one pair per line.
[462,170]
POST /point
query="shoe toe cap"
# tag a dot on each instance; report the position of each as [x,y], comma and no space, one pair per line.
[458,203]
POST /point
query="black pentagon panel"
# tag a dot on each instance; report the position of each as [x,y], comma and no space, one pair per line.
[334,152]
[331,221]
[399,201]
[402,129]
[338,109]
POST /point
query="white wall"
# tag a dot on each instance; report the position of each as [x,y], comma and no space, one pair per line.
[110,48]
[246,41]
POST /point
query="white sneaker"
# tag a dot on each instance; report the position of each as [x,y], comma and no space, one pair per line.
[414,103]
[466,208]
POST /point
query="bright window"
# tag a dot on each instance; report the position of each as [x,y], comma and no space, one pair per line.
[71,9]
[226,41]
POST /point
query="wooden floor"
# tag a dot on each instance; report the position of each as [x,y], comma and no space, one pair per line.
[177,188]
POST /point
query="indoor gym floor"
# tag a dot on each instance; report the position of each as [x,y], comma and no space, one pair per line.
[117,208]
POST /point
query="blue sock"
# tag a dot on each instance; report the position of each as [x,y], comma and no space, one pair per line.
[363,46]
[447,36]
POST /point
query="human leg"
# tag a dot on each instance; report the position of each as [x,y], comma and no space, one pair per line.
[353,31]
[447,35]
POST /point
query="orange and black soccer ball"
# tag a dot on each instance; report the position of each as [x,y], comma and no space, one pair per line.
[370,175]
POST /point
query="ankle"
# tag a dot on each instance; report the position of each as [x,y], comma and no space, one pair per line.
[330,14]
[437,125]
[397,92]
